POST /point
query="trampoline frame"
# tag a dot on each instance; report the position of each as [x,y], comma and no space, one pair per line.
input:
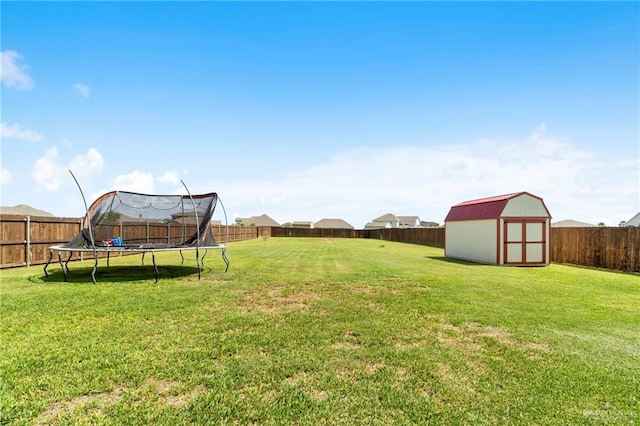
[130,249]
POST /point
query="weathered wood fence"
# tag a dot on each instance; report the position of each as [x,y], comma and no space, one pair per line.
[614,248]
[433,237]
[26,240]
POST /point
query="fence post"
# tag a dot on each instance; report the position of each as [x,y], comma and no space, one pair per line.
[27,232]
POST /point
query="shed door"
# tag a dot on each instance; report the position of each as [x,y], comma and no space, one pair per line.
[525,241]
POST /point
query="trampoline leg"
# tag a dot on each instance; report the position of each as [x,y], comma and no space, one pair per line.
[202,258]
[64,271]
[66,263]
[224,257]
[198,262]
[155,267]
[48,262]
[108,255]
[95,268]
[143,253]
[182,257]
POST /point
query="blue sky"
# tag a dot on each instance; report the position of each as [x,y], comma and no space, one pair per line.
[306,111]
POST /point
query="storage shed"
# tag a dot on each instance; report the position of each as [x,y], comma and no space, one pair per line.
[511,229]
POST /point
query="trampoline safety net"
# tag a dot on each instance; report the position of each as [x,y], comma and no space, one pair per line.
[128,219]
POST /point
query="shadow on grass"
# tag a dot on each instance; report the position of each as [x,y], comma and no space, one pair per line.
[119,274]
[456,261]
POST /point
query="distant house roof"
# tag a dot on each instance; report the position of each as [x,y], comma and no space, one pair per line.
[409,221]
[332,224]
[428,224]
[484,208]
[571,224]
[302,224]
[262,220]
[377,225]
[634,221]
[389,217]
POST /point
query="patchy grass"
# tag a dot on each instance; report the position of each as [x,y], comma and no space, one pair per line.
[313,331]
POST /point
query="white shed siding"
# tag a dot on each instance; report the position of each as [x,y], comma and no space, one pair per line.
[472,240]
[525,206]
[511,229]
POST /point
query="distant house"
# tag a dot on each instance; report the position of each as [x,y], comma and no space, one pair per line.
[302,225]
[386,221]
[571,224]
[262,220]
[390,220]
[634,221]
[408,222]
[427,224]
[332,224]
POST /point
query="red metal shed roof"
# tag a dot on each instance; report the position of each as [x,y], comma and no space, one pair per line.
[482,208]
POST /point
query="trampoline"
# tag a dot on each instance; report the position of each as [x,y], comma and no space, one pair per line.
[122,222]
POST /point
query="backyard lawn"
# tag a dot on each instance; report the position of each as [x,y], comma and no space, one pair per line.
[318,331]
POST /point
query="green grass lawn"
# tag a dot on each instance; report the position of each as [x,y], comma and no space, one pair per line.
[317,331]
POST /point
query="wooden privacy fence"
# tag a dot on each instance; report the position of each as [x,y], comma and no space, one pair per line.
[617,249]
[25,240]
[433,237]
[614,248]
[301,232]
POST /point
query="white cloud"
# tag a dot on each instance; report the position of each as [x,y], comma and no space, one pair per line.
[47,172]
[538,132]
[13,73]
[135,181]
[82,90]
[88,164]
[5,177]
[17,132]
[170,177]
[361,184]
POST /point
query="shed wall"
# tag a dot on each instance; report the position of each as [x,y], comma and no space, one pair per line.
[474,240]
[525,206]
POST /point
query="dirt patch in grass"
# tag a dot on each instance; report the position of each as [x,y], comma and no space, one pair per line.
[473,337]
[371,368]
[344,372]
[373,306]
[457,381]
[364,290]
[351,340]
[180,400]
[167,392]
[346,345]
[93,402]
[278,299]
